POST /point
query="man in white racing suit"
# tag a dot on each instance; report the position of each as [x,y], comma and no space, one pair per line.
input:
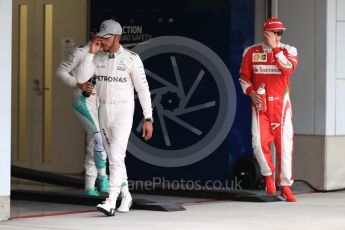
[118,71]
[86,109]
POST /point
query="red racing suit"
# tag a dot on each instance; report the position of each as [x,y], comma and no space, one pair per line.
[261,64]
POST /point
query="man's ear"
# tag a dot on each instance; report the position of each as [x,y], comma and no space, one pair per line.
[118,38]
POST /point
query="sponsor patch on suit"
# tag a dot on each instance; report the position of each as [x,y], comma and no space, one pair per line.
[259,57]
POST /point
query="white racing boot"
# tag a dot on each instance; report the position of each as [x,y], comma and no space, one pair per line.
[126,203]
[107,207]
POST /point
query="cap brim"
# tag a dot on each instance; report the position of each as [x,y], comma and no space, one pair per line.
[103,35]
[277,29]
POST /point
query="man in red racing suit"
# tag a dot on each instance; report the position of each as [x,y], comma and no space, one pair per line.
[271,63]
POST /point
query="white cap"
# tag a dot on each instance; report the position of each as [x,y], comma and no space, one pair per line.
[109,28]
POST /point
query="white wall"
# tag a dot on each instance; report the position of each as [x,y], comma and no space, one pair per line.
[320,66]
[5,105]
[300,23]
[335,67]
[317,29]
[5,95]
[330,63]
[337,8]
[299,18]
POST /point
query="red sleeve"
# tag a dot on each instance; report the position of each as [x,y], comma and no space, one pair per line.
[286,59]
[246,72]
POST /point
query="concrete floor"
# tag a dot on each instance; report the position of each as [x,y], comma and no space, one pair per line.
[312,211]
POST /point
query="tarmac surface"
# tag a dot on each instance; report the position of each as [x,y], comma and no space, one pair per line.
[311,211]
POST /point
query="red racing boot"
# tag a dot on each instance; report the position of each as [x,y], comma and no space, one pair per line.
[270,185]
[287,194]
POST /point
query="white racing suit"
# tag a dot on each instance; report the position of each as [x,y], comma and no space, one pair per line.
[117,75]
[86,109]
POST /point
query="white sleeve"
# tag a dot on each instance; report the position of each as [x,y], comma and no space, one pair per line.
[141,86]
[63,72]
[86,69]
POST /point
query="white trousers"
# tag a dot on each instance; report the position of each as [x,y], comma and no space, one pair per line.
[116,123]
